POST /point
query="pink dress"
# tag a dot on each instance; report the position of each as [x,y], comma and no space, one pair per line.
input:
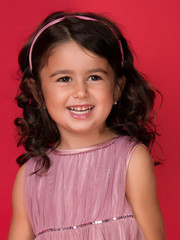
[82,196]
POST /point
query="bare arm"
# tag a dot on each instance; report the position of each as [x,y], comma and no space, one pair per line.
[141,192]
[20,228]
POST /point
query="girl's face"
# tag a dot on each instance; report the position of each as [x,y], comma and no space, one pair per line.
[78,88]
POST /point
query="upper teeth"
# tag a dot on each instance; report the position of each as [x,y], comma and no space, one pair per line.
[80,109]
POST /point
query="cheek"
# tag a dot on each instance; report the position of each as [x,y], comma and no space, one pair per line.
[108,95]
[105,91]
[52,95]
[106,100]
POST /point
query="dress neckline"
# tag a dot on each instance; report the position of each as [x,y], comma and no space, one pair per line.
[86,149]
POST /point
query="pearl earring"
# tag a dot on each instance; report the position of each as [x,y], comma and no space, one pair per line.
[115,103]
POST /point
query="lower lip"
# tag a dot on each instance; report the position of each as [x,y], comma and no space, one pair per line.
[81,116]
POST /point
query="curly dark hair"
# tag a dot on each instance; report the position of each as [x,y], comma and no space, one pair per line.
[132,114]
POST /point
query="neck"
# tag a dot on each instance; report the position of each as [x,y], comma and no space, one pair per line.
[74,141]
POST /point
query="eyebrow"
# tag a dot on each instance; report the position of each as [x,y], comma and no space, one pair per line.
[98,70]
[60,72]
[95,70]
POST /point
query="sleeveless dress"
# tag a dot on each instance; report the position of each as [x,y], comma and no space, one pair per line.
[82,196]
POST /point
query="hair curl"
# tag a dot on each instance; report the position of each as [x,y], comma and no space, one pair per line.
[132,114]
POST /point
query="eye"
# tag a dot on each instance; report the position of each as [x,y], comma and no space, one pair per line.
[64,79]
[94,78]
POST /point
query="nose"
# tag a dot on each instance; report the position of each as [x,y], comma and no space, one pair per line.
[80,89]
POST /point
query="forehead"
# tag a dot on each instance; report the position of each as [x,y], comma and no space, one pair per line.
[72,55]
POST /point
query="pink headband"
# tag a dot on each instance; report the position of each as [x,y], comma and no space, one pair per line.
[61,19]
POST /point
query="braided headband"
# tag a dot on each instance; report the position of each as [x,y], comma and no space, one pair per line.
[60,20]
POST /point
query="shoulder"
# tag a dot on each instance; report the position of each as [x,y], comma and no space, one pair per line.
[141,155]
[20,187]
[140,172]
[141,192]
[18,191]
[140,163]
[135,154]
[125,147]
[31,166]
[20,227]
[126,143]
[19,181]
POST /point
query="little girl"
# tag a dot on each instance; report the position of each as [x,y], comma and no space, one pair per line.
[86,126]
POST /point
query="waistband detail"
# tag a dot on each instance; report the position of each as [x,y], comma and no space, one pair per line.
[83,225]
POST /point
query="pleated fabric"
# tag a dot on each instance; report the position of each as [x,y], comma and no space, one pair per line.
[82,196]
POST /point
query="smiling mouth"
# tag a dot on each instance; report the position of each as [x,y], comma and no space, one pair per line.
[80,110]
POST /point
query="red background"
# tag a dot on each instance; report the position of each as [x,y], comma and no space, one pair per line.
[152,27]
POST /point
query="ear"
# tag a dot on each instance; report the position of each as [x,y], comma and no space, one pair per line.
[118,89]
[36,92]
